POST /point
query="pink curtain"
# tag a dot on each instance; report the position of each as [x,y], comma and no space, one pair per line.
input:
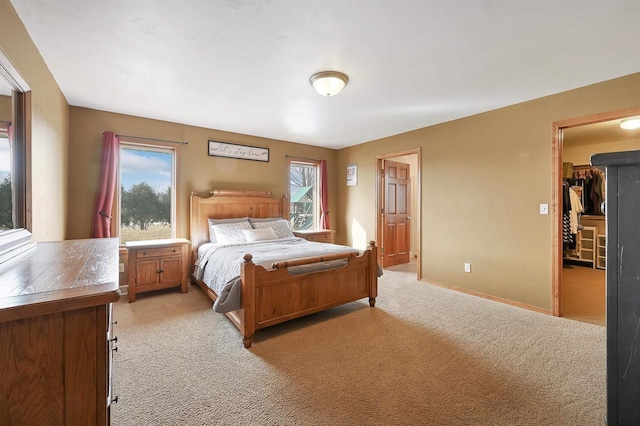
[324,196]
[106,186]
[9,133]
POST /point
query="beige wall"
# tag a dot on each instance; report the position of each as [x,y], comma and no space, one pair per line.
[50,128]
[483,178]
[5,108]
[196,170]
[581,155]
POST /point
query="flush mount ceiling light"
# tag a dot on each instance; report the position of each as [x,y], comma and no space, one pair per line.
[329,83]
[632,123]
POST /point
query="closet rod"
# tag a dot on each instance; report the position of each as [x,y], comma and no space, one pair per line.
[301,158]
[153,139]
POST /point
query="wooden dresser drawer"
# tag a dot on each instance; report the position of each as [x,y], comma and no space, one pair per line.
[158,252]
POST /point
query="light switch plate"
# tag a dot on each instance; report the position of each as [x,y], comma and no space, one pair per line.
[544,208]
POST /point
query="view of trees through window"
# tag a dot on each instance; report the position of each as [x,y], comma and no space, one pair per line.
[6,198]
[146,198]
[303,178]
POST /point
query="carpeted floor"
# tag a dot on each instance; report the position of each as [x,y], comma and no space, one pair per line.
[424,355]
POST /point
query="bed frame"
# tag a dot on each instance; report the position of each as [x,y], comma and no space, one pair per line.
[274,296]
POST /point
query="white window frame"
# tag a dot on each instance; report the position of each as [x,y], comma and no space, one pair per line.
[157,147]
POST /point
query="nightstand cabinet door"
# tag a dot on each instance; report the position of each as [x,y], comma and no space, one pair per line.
[147,272]
[171,270]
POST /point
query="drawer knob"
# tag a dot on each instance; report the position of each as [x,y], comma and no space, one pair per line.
[115,323]
[115,339]
[144,252]
[115,349]
[160,271]
[114,400]
[174,250]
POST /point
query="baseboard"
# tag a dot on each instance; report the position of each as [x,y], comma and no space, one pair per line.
[124,290]
[490,297]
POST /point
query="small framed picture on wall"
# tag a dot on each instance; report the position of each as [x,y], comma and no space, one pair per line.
[352,174]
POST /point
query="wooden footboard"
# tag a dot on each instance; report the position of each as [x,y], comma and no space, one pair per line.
[275,296]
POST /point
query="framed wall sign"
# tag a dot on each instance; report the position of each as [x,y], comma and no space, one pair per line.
[352,174]
[243,152]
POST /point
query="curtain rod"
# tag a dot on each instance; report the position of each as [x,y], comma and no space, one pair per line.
[300,158]
[153,139]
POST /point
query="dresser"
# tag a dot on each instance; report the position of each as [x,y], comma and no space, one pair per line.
[157,264]
[319,236]
[56,342]
[622,252]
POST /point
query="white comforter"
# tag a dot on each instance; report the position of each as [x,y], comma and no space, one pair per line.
[218,265]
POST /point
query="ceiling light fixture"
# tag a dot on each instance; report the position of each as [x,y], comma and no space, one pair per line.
[329,83]
[631,124]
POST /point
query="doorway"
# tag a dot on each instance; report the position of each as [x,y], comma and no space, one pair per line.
[578,279]
[398,229]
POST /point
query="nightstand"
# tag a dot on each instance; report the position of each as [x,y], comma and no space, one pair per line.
[318,236]
[157,264]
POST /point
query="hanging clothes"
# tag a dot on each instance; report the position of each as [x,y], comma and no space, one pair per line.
[576,209]
[568,239]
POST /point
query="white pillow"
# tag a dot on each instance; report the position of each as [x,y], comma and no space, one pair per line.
[212,234]
[231,232]
[259,234]
[280,227]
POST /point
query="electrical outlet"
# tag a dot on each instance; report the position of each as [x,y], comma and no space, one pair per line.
[544,208]
[122,267]
[467,267]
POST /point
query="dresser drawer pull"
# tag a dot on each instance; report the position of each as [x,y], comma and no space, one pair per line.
[115,349]
[160,271]
[115,339]
[114,400]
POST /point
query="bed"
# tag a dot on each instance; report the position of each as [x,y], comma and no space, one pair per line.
[271,295]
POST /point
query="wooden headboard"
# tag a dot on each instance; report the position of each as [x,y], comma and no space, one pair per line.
[222,204]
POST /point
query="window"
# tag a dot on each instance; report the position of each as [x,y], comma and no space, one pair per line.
[304,202]
[147,196]
[15,96]
[6,195]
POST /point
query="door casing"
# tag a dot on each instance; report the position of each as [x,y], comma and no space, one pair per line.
[417,219]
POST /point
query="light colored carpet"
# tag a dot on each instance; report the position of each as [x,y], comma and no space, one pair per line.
[424,355]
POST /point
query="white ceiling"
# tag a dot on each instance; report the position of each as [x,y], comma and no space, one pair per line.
[244,66]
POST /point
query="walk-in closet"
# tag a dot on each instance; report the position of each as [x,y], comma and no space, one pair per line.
[583,217]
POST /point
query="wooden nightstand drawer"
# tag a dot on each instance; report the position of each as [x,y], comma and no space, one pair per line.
[158,252]
[319,236]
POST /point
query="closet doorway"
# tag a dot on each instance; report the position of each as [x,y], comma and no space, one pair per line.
[579,251]
[398,226]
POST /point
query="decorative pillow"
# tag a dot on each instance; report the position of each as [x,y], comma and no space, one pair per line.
[259,234]
[212,234]
[280,227]
[231,232]
[263,219]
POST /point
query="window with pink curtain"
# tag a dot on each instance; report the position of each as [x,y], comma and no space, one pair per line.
[106,187]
